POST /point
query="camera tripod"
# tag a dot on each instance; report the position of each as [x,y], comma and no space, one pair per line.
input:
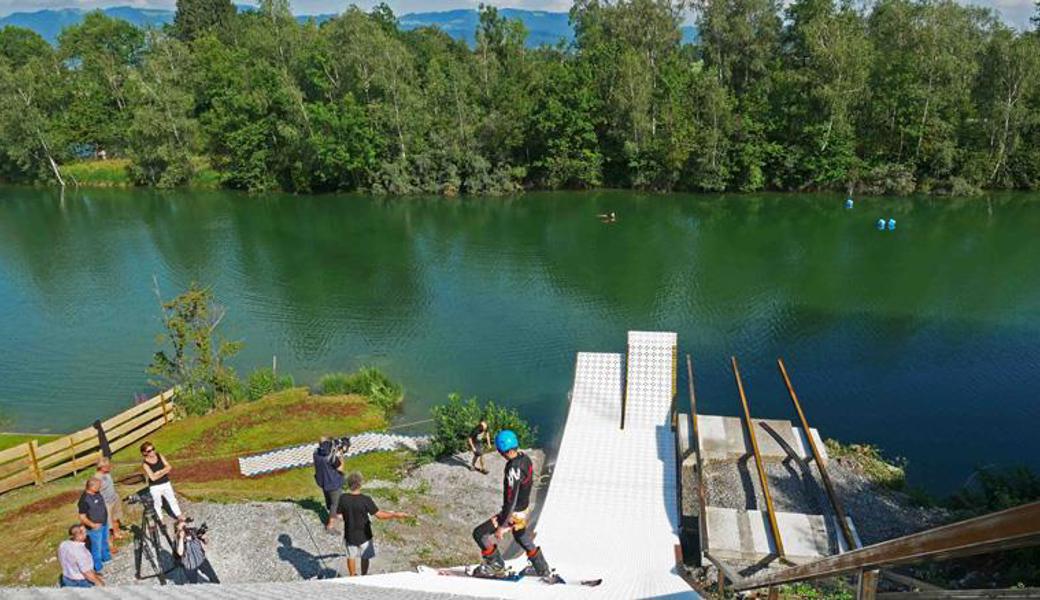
[147,546]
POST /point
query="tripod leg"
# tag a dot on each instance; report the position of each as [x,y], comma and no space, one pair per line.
[159,572]
[138,551]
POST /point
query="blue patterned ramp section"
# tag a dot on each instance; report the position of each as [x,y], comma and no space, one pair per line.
[294,457]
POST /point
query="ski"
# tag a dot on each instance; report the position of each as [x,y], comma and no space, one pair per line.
[556,579]
[512,576]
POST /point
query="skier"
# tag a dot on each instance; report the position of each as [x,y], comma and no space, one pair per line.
[516,496]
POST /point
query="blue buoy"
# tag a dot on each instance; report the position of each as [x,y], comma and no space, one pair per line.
[891,224]
[881,224]
[849,203]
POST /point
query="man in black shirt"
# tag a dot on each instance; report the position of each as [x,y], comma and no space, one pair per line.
[476,440]
[516,496]
[355,509]
[93,514]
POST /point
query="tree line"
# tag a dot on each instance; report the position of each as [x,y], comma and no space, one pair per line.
[904,96]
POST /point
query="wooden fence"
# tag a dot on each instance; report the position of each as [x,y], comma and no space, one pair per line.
[37,463]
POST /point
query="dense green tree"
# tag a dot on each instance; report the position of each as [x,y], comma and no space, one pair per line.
[19,45]
[898,96]
[102,53]
[817,90]
[163,136]
[197,17]
[33,99]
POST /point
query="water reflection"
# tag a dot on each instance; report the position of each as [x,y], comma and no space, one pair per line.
[494,296]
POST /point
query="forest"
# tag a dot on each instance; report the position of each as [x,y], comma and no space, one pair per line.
[900,97]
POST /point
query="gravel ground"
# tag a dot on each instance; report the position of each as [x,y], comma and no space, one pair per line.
[879,513]
[285,541]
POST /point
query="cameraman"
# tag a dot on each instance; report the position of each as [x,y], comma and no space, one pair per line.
[191,548]
[328,474]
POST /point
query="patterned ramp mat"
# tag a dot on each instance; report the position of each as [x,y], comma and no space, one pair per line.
[303,455]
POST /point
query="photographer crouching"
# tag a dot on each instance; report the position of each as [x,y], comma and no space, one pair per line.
[191,548]
[328,473]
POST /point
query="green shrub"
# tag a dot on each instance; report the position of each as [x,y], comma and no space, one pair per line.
[194,402]
[890,474]
[455,419]
[262,382]
[369,382]
[996,489]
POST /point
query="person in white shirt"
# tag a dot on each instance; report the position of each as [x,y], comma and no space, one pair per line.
[77,565]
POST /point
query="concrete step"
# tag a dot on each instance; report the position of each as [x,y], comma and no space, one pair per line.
[723,438]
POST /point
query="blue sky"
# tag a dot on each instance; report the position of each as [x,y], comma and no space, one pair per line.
[1016,12]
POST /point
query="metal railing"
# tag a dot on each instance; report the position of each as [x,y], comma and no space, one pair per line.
[1005,530]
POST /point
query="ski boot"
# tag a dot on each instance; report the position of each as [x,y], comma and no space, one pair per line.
[492,566]
[541,567]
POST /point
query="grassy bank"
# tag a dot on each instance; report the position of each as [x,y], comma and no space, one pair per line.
[114,173]
[204,452]
[10,440]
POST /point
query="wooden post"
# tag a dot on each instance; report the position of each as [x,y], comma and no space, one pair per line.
[722,585]
[72,452]
[866,585]
[33,464]
[774,593]
[165,409]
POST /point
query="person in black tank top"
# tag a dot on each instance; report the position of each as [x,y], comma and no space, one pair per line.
[157,473]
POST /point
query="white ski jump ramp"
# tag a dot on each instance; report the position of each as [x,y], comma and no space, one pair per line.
[611,511]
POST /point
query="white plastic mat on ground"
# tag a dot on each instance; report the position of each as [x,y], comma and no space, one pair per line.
[303,455]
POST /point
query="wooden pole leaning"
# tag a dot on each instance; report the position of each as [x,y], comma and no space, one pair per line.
[839,508]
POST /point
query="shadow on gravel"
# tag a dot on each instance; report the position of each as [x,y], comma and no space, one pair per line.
[307,565]
[318,508]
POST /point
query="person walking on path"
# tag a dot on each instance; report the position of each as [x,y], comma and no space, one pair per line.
[356,508]
[77,565]
[112,503]
[328,474]
[517,482]
[94,516]
[157,473]
[478,438]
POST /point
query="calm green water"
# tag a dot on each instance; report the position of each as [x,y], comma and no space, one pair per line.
[923,340]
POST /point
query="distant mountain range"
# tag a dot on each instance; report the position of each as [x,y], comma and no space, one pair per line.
[543,27]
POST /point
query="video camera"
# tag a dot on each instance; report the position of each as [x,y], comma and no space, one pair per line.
[144,498]
[340,445]
[197,532]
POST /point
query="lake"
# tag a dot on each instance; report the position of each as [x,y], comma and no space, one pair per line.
[922,340]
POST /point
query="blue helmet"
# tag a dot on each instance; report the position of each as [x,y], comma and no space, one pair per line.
[506,441]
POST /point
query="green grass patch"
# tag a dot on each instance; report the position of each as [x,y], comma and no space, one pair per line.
[204,452]
[885,472]
[284,418]
[10,440]
[98,173]
[369,382]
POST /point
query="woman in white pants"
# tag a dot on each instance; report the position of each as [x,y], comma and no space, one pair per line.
[157,474]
